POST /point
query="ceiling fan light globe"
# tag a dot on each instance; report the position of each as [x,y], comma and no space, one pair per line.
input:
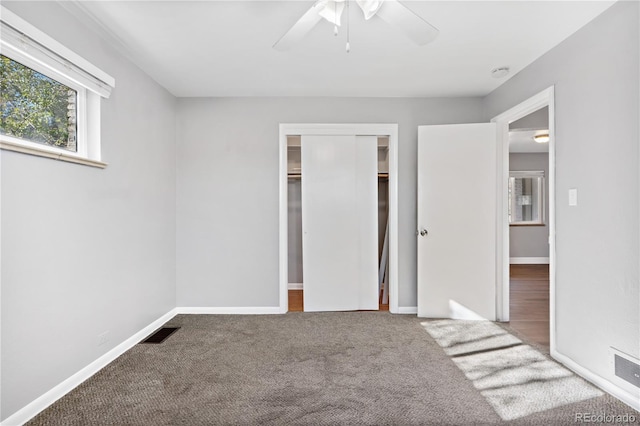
[331,10]
[369,7]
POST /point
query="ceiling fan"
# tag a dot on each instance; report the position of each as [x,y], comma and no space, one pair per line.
[390,11]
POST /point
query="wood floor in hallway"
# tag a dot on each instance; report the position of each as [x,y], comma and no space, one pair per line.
[529,302]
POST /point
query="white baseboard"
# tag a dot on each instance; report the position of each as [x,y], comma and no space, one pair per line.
[295,286]
[529,260]
[35,407]
[604,384]
[251,310]
[407,309]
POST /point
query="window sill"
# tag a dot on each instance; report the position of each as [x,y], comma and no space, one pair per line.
[11,146]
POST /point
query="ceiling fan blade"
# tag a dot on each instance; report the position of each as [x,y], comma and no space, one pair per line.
[299,29]
[406,20]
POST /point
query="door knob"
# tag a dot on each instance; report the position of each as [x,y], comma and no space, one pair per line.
[423,232]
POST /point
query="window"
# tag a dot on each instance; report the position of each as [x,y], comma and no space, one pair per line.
[49,96]
[36,108]
[526,198]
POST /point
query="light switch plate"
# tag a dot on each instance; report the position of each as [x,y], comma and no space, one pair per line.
[573,196]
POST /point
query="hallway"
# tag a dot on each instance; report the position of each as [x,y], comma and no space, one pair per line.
[529,303]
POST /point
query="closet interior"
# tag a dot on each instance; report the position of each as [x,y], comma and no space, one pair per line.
[295,175]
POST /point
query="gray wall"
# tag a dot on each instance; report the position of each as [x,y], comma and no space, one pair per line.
[85,250]
[595,73]
[531,241]
[227,187]
[536,120]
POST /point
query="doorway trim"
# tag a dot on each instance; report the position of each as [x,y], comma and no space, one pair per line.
[364,129]
[534,103]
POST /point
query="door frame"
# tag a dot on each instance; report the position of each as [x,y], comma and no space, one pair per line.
[534,103]
[364,129]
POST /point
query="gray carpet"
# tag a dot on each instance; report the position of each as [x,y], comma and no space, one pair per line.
[355,368]
[516,379]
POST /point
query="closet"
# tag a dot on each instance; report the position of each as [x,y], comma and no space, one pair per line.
[345,222]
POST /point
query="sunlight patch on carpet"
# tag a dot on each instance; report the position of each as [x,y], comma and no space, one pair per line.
[514,378]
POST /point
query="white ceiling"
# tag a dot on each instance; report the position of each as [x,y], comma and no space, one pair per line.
[223,48]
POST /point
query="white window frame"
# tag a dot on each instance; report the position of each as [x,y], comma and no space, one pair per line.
[24,43]
[539,174]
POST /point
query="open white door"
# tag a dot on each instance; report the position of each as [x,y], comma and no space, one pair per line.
[340,223]
[457,221]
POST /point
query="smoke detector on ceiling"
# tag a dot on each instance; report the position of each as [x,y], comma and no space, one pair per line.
[499,72]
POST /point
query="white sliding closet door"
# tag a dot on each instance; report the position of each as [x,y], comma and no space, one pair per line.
[340,223]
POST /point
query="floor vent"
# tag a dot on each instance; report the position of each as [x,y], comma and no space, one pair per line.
[627,370]
[160,335]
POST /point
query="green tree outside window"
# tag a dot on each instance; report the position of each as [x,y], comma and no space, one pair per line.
[35,107]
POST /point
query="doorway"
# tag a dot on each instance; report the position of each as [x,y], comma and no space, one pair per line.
[540,106]
[387,142]
[296,253]
[528,205]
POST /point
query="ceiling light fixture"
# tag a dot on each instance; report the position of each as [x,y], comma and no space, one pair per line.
[499,72]
[369,7]
[331,11]
[541,138]
[391,11]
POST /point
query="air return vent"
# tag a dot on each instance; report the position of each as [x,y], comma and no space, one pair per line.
[627,370]
[160,335]
[626,367]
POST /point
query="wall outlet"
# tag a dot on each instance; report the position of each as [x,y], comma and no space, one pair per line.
[103,338]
